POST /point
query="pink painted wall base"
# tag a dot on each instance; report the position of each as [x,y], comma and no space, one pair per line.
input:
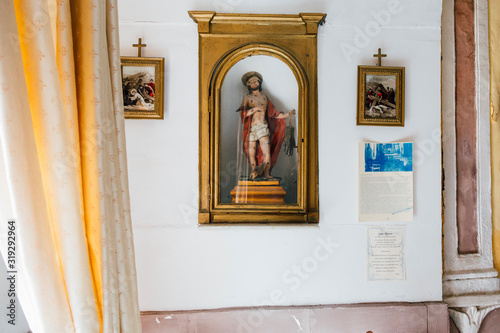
[355,318]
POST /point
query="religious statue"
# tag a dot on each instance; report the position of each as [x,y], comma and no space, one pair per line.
[263,127]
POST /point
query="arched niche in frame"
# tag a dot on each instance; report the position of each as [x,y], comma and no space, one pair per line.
[258,134]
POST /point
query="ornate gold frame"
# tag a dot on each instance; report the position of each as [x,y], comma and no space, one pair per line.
[225,39]
[399,73]
[158,64]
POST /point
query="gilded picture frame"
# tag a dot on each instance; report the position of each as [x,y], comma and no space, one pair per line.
[234,53]
[381,96]
[142,86]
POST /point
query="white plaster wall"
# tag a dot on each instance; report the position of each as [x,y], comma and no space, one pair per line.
[185,266]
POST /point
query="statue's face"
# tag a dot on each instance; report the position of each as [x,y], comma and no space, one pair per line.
[253,82]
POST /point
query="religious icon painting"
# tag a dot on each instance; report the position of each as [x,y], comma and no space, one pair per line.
[381,96]
[142,85]
[258,152]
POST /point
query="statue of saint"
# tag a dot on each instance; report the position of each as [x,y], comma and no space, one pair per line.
[263,127]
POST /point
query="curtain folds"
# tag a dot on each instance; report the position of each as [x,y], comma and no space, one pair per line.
[63,155]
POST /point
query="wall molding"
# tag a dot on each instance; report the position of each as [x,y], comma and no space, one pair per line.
[471,286]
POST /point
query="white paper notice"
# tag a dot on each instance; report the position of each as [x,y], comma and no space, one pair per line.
[385,182]
[386,253]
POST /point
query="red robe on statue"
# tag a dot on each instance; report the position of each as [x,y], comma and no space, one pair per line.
[276,128]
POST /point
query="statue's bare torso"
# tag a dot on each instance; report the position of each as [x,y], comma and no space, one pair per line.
[258,102]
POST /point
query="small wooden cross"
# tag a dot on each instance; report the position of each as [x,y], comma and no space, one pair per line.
[379,55]
[140,45]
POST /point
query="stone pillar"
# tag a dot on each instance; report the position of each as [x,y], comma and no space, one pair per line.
[471,285]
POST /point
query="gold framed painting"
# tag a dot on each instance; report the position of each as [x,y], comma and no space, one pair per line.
[142,85]
[258,139]
[381,100]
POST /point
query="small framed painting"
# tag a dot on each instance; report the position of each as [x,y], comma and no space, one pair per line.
[381,98]
[142,86]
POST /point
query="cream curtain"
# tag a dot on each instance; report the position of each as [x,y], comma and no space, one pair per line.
[63,173]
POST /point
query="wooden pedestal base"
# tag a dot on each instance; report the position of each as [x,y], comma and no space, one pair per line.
[267,192]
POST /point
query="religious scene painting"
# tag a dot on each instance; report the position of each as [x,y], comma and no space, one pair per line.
[380,99]
[389,157]
[139,88]
[380,96]
[259,102]
[142,85]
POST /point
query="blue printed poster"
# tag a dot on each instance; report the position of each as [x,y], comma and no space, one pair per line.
[385,181]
